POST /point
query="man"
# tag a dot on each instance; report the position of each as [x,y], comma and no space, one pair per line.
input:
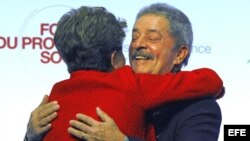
[161,43]
[153,50]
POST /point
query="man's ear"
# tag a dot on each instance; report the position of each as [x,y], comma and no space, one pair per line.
[117,60]
[181,55]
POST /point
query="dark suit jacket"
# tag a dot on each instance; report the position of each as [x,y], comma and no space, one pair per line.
[189,120]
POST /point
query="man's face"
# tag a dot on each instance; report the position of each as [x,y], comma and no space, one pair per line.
[151,49]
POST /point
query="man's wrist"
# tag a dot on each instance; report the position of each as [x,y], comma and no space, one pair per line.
[26,138]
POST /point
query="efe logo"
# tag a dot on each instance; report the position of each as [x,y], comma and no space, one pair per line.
[237,132]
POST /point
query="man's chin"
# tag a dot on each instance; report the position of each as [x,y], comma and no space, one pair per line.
[140,70]
[141,66]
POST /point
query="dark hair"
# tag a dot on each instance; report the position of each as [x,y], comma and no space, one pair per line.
[86,37]
[180,26]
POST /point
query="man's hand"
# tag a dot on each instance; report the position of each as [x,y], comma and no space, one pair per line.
[92,130]
[40,118]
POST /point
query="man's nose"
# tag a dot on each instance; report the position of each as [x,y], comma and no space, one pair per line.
[140,43]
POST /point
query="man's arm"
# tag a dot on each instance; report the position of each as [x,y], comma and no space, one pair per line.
[202,123]
[40,118]
[191,120]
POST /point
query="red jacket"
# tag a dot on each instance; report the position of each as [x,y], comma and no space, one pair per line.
[125,96]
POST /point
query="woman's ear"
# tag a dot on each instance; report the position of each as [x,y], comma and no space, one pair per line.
[117,59]
[181,55]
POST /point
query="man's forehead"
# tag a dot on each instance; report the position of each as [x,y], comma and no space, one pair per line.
[148,30]
[151,23]
[151,30]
